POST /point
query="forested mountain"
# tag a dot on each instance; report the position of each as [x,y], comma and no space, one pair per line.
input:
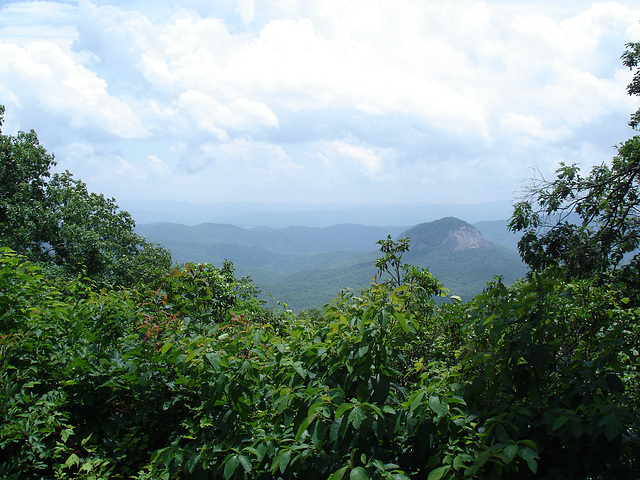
[306,267]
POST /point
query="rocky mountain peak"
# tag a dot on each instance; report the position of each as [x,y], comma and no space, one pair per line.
[465,238]
[450,232]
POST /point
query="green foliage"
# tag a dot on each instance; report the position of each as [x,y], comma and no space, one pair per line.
[24,173]
[584,224]
[93,381]
[552,363]
[194,380]
[391,260]
[420,285]
[95,237]
[55,220]
[205,293]
[587,225]
[631,59]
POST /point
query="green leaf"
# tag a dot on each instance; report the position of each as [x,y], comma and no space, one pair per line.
[64,434]
[338,474]
[257,453]
[440,408]
[529,443]
[343,408]
[313,408]
[398,476]
[358,473]
[510,451]
[334,431]
[529,455]
[417,401]
[560,421]
[356,416]
[190,355]
[72,460]
[403,323]
[245,462]
[192,462]
[230,467]
[283,461]
[214,360]
[438,473]
[388,409]
[303,427]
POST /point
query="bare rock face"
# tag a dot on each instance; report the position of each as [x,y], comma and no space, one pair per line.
[465,238]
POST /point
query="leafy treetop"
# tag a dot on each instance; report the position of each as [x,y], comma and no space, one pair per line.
[586,224]
[54,219]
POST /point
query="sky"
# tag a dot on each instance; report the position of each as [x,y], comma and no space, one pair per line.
[316,101]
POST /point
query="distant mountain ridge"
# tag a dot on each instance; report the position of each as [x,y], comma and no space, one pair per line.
[283,214]
[307,267]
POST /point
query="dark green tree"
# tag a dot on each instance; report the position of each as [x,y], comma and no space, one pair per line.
[586,224]
[24,173]
[54,219]
[631,59]
[564,343]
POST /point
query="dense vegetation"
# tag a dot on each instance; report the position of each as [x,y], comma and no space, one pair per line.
[304,267]
[109,369]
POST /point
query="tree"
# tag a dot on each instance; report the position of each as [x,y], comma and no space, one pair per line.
[24,173]
[420,284]
[565,341]
[631,59]
[55,220]
[586,224]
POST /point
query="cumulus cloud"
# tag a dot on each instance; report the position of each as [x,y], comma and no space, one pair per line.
[212,116]
[322,98]
[42,77]
[342,155]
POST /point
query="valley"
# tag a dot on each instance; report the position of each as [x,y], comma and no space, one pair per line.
[306,267]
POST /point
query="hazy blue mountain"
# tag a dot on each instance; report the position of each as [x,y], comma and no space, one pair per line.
[460,256]
[279,215]
[453,250]
[344,236]
[306,267]
[217,234]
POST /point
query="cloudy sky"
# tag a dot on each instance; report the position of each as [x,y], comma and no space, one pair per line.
[403,101]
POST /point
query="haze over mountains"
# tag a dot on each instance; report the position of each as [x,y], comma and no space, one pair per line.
[279,215]
[307,266]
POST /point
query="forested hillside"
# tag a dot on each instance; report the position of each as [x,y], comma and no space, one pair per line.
[306,267]
[116,364]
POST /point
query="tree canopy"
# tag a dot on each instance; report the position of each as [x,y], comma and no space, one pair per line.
[53,218]
[586,224]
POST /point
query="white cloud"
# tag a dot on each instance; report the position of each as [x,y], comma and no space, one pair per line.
[212,116]
[158,167]
[246,9]
[45,78]
[256,159]
[342,155]
[531,128]
[328,98]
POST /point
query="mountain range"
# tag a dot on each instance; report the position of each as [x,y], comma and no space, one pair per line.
[306,267]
